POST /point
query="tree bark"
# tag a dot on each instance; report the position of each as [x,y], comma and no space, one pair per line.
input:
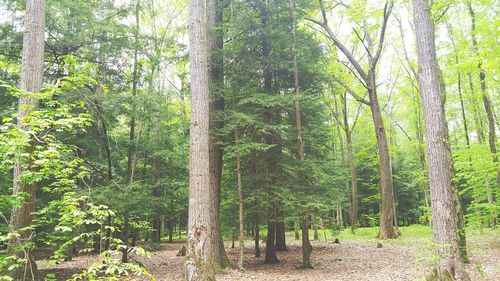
[440,167]
[31,81]
[201,245]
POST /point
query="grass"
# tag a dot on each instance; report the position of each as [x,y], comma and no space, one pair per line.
[407,233]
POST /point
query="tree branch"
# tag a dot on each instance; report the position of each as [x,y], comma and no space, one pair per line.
[387,12]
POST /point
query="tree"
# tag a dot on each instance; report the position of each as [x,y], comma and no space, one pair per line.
[31,82]
[216,44]
[487,108]
[199,264]
[369,82]
[440,165]
[306,244]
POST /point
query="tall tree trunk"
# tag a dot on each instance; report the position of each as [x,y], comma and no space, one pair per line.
[386,186]
[32,82]
[201,245]
[215,45]
[240,197]
[306,244]
[440,168]
[487,108]
[132,149]
[103,132]
[352,169]
[270,139]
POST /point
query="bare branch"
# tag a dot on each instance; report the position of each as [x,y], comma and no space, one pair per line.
[387,12]
[350,91]
[336,41]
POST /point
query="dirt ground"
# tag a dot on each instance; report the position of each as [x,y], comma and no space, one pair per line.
[349,261]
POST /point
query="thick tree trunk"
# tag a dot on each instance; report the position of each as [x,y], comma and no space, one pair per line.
[271,256]
[201,245]
[215,45]
[440,168]
[31,81]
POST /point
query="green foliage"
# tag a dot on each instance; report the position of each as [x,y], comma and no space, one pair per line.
[109,268]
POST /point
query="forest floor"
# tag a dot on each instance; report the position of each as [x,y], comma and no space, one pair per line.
[357,257]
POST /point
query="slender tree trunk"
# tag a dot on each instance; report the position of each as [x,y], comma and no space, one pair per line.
[386,186]
[296,225]
[352,169]
[322,224]
[125,235]
[103,131]
[31,81]
[306,244]
[256,238]
[280,230]
[200,247]
[132,149]
[240,196]
[487,108]
[215,44]
[170,231]
[443,193]
[315,226]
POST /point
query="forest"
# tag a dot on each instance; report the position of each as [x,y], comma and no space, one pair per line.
[205,140]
